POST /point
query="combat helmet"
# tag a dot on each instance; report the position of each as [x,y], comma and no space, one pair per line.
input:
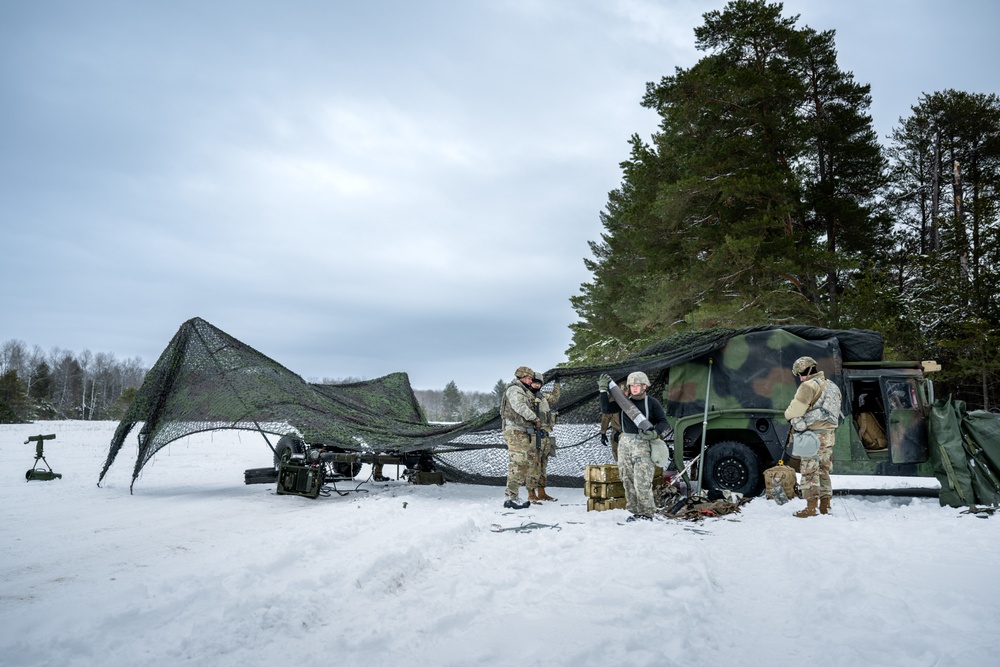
[802,366]
[524,372]
[637,377]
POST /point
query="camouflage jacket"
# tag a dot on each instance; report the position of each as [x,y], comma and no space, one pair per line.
[543,406]
[517,406]
[816,405]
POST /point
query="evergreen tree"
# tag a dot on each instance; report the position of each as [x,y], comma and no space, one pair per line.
[755,200]
[946,161]
[41,382]
[14,405]
[122,404]
[498,390]
[451,402]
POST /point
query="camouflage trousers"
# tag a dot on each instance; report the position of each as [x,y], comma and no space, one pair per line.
[543,462]
[635,465]
[815,471]
[522,462]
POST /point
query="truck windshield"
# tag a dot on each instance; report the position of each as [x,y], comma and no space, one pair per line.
[902,394]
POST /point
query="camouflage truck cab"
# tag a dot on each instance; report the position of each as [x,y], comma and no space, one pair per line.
[752,384]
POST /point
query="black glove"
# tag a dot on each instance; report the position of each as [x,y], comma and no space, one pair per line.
[604,439]
[603,382]
[651,434]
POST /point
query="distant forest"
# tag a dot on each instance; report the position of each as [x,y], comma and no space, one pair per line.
[454,405]
[450,404]
[59,384]
[63,385]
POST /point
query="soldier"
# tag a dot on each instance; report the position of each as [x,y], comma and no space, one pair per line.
[519,423]
[547,416]
[816,407]
[635,462]
[611,430]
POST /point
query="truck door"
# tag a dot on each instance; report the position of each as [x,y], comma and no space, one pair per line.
[906,426]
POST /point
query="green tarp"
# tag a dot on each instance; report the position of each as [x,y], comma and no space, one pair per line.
[965,452]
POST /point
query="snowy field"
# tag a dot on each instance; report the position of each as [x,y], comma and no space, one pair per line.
[197,568]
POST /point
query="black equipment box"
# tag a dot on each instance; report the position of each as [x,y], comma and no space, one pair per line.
[298,480]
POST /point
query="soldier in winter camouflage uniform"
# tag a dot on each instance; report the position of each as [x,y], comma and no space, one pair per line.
[517,409]
[543,407]
[611,428]
[635,462]
[816,407]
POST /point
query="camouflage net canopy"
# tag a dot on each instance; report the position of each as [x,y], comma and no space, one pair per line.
[206,380]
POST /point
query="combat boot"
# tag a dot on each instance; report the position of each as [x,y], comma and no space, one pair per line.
[542,495]
[824,505]
[533,497]
[516,504]
[810,509]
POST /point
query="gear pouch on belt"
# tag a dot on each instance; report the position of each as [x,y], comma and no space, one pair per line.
[805,444]
[659,452]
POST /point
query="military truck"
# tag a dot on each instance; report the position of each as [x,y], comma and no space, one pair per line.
[749,383]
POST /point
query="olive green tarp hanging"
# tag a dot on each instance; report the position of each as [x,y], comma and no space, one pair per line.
[965,453]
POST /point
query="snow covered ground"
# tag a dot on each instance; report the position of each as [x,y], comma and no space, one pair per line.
[197,568]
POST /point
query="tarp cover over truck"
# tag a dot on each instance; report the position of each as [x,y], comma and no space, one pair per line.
[207,380]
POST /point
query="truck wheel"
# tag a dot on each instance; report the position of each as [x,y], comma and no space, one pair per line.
[347,470]
[732,465]
[287,446]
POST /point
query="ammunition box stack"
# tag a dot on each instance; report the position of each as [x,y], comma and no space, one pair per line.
[603,487]
[436,477]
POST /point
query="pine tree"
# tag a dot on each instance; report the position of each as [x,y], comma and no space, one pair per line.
[13,399]
[451,402]
[946,161]
[755,200]
[498,390]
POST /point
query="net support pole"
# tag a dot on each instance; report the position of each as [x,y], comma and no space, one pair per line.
[704,427]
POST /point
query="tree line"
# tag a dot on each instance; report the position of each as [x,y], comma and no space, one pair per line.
[63,385]
[454,405]
[765,197]
[35,385]
[450,404]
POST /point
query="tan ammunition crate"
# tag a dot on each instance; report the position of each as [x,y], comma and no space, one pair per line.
[599,505]
[436,477]
[604,473]
[604,489]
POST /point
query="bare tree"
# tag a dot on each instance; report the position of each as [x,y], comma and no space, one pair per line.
[12,355]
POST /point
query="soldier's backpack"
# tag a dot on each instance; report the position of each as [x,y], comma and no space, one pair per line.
[779,483]
[827,403]
[871,432]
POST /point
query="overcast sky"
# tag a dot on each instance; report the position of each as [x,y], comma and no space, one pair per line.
[356,188]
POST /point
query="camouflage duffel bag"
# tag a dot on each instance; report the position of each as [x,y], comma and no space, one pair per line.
[779,483]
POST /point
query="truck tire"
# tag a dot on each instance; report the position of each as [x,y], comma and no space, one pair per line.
[347,470]
[287,446]
[734,466]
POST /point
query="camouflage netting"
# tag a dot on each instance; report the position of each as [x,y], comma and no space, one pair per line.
[207,380]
